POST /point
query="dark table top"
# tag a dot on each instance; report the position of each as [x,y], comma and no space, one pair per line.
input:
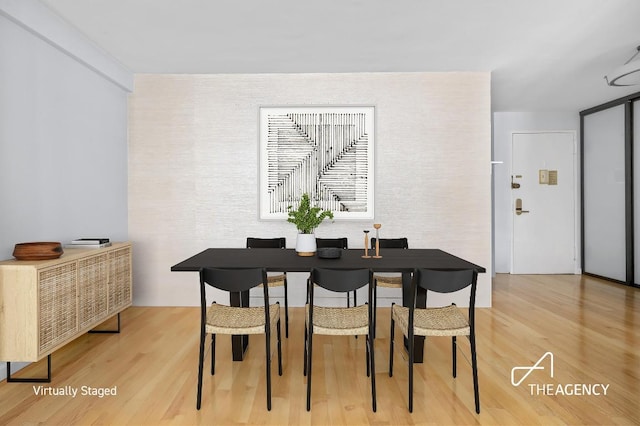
[286,260]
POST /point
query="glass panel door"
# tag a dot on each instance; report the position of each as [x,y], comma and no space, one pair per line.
[636,190]
[604,193]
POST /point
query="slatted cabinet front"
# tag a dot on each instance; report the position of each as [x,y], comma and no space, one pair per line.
[57,299]
[93,273]
[119,279]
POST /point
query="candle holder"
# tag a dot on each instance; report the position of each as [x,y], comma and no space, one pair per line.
[366,245]
[377,227]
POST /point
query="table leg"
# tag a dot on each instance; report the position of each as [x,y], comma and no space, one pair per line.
[421,302]
[239,343]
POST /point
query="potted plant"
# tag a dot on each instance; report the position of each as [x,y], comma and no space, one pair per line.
[306,219]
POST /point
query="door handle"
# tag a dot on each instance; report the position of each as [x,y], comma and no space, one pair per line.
[519,210]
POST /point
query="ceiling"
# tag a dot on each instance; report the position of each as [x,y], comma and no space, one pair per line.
[544,55]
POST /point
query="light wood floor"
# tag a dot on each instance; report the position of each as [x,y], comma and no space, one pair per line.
[592,327]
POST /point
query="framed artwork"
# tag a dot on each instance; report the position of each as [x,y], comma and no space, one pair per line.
[324,151]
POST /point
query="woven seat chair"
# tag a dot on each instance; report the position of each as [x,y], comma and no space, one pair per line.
[275,279]
[441,321]
[350,321]
[342,243]
[233,320]
[388,280]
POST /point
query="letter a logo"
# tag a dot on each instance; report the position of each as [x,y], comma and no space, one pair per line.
[529,370]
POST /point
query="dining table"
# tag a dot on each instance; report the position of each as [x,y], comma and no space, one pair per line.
[403,261]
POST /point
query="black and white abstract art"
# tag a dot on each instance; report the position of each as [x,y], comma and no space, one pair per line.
[324,151]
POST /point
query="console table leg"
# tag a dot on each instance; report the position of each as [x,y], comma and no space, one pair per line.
[117,331]
[30,379]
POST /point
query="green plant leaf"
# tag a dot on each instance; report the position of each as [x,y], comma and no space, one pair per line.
[307,218]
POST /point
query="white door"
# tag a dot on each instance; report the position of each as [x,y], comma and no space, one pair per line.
[543,202]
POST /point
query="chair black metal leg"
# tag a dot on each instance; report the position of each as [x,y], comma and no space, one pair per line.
[391,334]
[30,379]
[375,306]
[454,354]
[213,354]
[279,349]
[309,358]
[373,373]
[474,367]
[411,345]
[367,357]
[286,309]
[268,359]
[200,368]
[306,336]
[306,348]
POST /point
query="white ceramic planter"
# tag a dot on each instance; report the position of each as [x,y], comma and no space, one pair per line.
[306,244]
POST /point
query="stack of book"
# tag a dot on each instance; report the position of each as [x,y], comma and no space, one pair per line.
[89,243]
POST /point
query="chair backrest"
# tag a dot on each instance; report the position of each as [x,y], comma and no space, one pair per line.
[341,280]
[402,243]
[445,281]
[332,242]
[266,242]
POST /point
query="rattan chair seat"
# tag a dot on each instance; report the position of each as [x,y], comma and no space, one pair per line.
[222,319]
[275,280]
[445,321]
[389,281]
[340,321]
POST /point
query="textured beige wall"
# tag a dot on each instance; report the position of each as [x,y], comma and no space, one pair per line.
[193,167]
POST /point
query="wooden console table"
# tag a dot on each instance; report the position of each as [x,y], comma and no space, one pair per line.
[46,304]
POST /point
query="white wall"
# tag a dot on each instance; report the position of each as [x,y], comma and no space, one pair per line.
[193,167]
[63,133]
[504,124]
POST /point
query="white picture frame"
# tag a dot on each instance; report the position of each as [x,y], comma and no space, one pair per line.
[325,151]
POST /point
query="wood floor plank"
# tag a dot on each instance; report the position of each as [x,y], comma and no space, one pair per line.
[592,328]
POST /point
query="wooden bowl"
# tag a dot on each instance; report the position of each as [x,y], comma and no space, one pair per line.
[37,251]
